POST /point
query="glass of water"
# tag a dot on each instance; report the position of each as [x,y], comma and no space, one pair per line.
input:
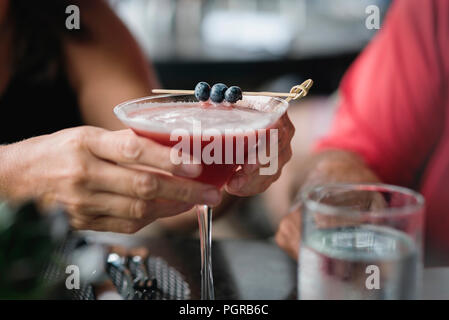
[360,241]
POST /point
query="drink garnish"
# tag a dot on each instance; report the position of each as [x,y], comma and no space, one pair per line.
[202,91]
[233,94]
[217,93]
[220,92]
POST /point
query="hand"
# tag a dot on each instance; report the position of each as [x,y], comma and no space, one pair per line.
[79,169]
[288,234]
[248,181]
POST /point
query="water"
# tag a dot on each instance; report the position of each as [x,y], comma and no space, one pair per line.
[333,264]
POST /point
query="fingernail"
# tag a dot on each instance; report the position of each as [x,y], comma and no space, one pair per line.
[238,182]
[211,197]
[190,170]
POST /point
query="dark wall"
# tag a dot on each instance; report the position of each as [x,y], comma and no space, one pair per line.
[326,72]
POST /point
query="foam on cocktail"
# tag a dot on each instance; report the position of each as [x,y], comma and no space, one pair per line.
[251,113]
[170,117]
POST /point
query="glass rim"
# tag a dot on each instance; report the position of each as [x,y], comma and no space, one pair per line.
[121,114]
[408,209]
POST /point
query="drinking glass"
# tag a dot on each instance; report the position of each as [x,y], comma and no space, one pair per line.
[212,173]
[360,241]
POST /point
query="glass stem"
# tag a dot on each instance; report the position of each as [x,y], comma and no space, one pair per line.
[205,229]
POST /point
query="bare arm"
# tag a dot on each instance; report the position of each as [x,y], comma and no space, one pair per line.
[333,166]
[325,167]
[107,67]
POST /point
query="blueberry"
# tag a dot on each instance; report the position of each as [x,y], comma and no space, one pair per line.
[233,94]
[217,93]
[202,91]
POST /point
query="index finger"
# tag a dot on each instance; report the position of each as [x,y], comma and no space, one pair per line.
[126,147]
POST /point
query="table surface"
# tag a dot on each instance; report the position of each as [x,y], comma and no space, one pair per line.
[249,269]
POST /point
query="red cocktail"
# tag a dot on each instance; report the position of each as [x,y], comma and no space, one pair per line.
[226,133]
[220,137]
[214,174]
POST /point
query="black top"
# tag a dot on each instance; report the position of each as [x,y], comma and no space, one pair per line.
[38,99]
[32,109]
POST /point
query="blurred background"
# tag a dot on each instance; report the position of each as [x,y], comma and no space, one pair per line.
[252,43]
[257,45]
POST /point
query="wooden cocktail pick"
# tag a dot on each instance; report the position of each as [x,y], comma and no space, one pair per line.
[297,92]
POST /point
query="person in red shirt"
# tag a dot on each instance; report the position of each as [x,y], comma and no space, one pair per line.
[392,124]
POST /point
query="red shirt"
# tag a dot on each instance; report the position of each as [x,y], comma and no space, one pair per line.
[394,108]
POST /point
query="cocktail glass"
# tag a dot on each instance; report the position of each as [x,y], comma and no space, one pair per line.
[261,114]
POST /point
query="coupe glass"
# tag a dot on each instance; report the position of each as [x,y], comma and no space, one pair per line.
[214,174]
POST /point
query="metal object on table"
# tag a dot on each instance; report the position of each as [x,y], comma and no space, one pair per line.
[55,271]
[154,281]
[134,277]
[170,282]
[143,284]
[120,275]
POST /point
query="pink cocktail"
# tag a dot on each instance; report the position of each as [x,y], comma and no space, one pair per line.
[214,174]
[236,127]
[220,137]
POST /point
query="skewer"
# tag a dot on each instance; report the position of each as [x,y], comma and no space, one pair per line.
[297,92]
